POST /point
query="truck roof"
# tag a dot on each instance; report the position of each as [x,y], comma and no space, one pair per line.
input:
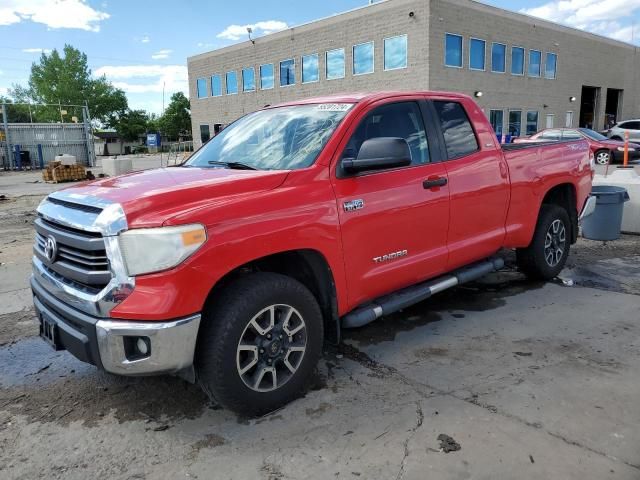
[358,97]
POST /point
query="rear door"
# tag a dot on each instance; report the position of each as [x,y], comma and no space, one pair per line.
[634,131]
[478,182]
[394,226]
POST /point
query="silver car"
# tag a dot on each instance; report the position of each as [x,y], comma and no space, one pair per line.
[631,126]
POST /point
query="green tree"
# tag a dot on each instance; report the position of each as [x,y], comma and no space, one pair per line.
[176,121]
[16,113]
[129,124]
[67,80]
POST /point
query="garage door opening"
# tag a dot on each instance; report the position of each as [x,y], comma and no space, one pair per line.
[589,106]
[612,107]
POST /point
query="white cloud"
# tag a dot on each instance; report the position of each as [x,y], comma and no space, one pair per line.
[37,50]
[236,32]
[161,54]
[603,17]
[147,78]
[52,13]
[145,39]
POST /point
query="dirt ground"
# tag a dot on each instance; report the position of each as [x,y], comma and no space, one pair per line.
[516,378]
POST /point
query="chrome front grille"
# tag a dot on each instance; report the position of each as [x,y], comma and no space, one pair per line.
[80,255]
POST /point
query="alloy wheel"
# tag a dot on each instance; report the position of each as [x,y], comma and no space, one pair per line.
[271,348]
[555,243]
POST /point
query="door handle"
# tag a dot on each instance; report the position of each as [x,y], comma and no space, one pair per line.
[434,183]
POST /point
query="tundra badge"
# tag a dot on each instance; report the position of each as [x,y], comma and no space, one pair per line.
[390,256]
[353,205]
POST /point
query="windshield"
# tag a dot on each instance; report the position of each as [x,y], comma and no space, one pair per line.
[593,135]
[285,138]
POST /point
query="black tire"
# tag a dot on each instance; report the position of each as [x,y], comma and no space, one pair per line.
[533,260]
[224,324]
[600,154]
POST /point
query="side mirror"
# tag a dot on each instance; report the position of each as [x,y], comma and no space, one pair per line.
[378,154]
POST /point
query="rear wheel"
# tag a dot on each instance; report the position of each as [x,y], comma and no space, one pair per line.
[259,344]
[603,157]
[547,254]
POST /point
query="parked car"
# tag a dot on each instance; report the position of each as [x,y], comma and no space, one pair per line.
[632,126]
[293,223]
[604,149]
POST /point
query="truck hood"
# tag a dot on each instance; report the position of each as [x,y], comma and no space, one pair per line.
[151,197]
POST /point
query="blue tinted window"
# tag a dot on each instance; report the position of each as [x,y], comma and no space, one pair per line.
[216,85]
[496,117]
[498,57]
[266,76]
[515,123]
[363,58]
[232,83]
[395,52]
[310,69]
[535,58]
[550,66]
[453,50]
[532,122]
[517,61]
[335,64]
[287,73]
[477,54]
[201,86]
[248,80]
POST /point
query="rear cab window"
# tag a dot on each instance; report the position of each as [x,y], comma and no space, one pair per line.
[459,137]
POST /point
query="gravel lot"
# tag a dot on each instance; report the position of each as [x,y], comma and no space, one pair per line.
[529,380]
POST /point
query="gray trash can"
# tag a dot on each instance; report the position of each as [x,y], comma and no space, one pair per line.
[606,221]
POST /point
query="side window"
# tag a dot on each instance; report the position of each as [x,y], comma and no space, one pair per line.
[632,126]
[400,120]
[550,135]
[459,136]
[571,135]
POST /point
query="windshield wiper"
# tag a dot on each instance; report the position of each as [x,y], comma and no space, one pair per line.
[233,165]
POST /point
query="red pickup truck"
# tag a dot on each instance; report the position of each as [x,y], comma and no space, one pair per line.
[294,222]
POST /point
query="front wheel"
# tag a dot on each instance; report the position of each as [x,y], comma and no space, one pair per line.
[547,254]
[603,157]
[260,343]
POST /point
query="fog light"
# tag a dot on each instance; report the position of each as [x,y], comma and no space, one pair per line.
[142,346]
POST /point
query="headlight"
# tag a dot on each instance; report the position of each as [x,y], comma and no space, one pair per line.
[148,250]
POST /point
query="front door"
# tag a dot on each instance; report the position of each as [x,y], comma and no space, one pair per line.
[394,227]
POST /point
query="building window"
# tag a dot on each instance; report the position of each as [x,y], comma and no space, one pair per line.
[517,61]
[216,85]
[496,117]
[232,83]
[498,58]
[477,53]
[335,64]
[363,58]
[201,86]
[568,120]
[453,50]
[310,69]
[459,137]
[532,122]
[395,52]
[515,123]
[204,133]
[266,77]
[248,80]
[287,73]
[550,66]
[535,58]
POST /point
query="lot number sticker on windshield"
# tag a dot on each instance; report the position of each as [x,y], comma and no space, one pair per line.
[334,107]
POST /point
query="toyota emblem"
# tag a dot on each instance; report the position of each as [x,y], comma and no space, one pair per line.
[50,249]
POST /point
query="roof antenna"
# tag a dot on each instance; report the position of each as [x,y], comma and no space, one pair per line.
[250,31]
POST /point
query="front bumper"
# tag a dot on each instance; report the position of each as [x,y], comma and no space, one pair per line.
[589,208]
[110,344]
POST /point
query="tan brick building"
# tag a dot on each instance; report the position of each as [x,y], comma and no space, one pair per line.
[526,73]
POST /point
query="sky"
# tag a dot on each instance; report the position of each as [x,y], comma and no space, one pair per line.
[141,45]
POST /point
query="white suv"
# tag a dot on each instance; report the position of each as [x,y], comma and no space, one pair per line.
[631,126]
